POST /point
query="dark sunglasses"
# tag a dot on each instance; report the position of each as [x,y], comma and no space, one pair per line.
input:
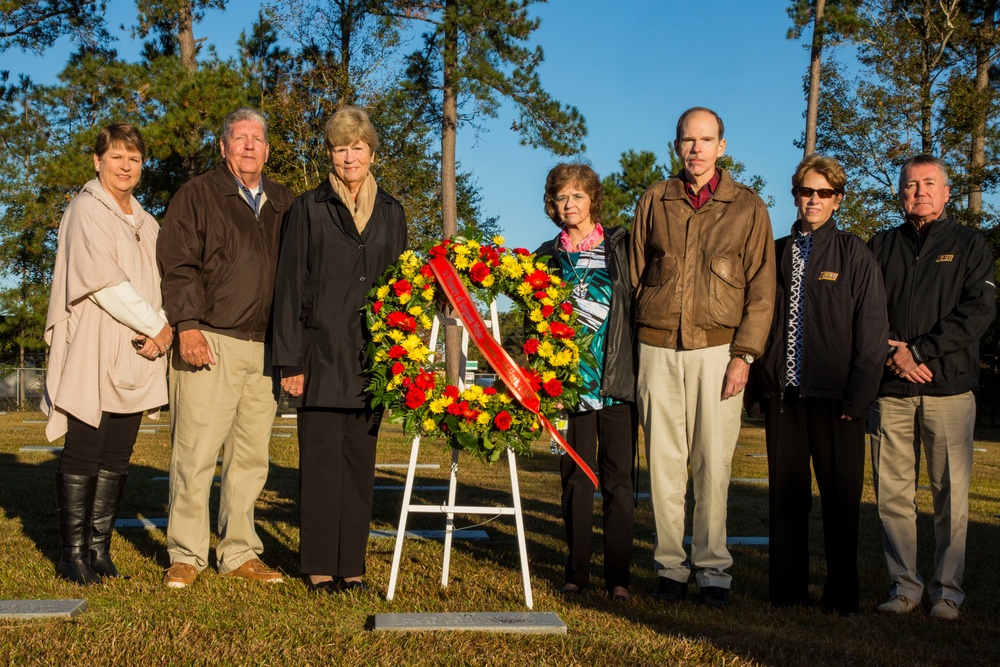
[806,193]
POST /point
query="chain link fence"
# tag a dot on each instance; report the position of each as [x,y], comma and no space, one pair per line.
[21,388]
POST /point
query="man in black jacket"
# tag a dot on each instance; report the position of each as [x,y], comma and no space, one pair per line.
[217,253]
[940,296]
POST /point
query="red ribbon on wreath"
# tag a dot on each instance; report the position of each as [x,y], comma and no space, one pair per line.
[495,355]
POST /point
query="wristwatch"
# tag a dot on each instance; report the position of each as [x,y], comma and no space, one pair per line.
[749,358]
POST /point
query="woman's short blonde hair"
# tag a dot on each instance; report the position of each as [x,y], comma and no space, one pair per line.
[827,167]
[347,125]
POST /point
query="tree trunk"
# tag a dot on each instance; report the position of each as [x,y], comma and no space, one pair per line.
[185,36]
[347,13]
[20,376]
[815,67]
[449,202]
[977,155]
[185,39]
[21,336]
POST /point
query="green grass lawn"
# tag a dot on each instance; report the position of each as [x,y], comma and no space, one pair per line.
[233,622]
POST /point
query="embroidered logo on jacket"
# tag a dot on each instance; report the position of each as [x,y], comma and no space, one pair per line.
[829,275]
[944,258]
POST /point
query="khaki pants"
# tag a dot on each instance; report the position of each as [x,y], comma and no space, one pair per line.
[944,424]
[230,406]
[685,421]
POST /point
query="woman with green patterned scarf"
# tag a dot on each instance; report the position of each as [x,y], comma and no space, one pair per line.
[602,426]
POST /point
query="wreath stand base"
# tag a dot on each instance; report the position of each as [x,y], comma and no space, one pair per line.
[449,509]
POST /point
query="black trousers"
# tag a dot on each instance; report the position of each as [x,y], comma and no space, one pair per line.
[797,430]
[336,488]
[108,447]
[615,428]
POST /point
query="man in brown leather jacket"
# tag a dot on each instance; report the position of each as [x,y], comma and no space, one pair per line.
[702,265]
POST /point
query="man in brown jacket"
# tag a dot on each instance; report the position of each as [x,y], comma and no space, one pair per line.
[217,253]
[702,270]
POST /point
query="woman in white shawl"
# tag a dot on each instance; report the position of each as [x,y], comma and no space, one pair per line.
[107,335]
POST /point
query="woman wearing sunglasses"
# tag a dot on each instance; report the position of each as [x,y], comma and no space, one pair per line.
[819,373]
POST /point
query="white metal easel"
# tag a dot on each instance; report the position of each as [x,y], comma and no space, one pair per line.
[450,508]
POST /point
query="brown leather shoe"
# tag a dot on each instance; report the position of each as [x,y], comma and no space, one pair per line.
[256,570]
[180,575]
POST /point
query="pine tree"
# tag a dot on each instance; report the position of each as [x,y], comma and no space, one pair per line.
[35,25]
[831,21]
[475,55]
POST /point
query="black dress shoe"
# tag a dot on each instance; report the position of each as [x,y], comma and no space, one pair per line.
[329,587]
[715,597]
[669,590]
[345,586]
[569,590]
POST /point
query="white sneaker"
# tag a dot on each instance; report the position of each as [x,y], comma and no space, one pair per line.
[944,610]
[898,604]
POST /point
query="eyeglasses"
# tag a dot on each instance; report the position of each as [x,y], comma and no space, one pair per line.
[806,193]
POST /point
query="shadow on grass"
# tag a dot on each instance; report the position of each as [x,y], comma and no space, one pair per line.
[27,495]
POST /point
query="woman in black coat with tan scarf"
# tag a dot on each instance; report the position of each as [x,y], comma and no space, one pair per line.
[339,238]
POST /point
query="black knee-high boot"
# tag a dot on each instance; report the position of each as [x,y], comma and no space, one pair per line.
[74,506]
[107,498]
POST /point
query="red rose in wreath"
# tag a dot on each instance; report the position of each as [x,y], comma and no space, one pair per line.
[502,420]
[478,272]
[401,287]
[415,397]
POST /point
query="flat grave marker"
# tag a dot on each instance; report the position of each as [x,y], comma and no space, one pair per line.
[145,524]
[431,534]
[32,609]
[536,623]
[739,541]
[399,487]
[430,466]
[51,449]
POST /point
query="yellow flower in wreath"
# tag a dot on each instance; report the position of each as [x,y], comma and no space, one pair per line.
[563,358]
[438,405]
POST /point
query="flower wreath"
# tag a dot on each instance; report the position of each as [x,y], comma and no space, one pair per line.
[481,420]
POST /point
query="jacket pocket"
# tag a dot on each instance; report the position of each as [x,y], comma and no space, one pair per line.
[129,370]
[657,291]
[726,292]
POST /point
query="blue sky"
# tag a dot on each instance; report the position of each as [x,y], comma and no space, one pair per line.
[630,66]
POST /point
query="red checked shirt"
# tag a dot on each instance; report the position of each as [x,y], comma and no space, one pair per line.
[698,198]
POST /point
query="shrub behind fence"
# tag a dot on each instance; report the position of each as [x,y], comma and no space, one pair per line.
[21,388]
